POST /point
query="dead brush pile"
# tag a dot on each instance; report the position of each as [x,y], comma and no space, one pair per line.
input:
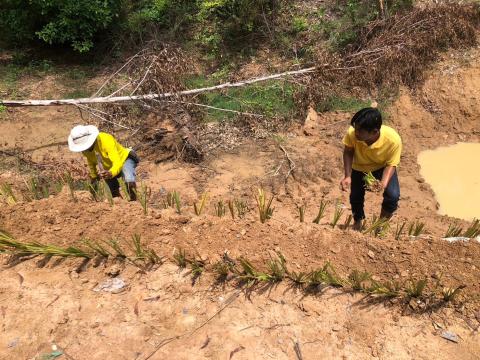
[394,51]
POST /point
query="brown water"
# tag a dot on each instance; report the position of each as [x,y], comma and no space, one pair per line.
[453,172]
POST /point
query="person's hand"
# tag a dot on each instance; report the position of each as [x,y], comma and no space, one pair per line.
[345,183]
[106,174]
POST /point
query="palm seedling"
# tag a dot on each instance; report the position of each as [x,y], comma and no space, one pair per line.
[357,280]
[137,247]
[7,242]
[231,209]
[454,230]
[371,182]
[378,227]
[222,268]
[180,258]
[399,230]
[299,278]
[143,196]
[415,288]
[7,193]
[348,222]
[98,248]
[337,215]
[197,267]
[220,208]
[473,230]
[198,208]
[115,245]
[249,274]
[449,294]
[68,180]
[301,212]
[321,212]
[388,289]
[241,207]
[177,202]
[124,189]
[101,191]
[277,268]
[35,190]
[325,276]
[416,228]
[264,206]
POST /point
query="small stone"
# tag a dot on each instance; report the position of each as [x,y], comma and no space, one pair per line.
[371,254]
[243,232]
[404,273]
[113,271]
[166,241]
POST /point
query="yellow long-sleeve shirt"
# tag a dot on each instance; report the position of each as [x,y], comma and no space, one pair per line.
[112,154]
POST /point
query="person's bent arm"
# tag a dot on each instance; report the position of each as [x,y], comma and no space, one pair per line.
[347,166]
[387,175]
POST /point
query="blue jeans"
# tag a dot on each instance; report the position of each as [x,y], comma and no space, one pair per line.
[128,174]
[391,194]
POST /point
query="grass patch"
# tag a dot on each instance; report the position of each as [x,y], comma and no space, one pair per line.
[274,98]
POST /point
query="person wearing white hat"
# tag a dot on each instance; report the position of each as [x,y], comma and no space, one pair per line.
[103,150]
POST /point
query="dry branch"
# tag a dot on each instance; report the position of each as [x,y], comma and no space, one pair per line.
[116,99]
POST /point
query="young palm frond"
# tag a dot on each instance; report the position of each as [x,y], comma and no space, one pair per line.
[8,243]
[378,227]
[124,189]
[416,228]
[454,230]
[231,209]
[337,215]
[115,245]
[348,221]
[388,289]
[68,180]
[399,230]
[97,248]
[241,207]
[7,193]
[301,212]
[415,288]
[220,208]
[449,294]
[198,208]
[321,211]
[180,258]
[143,196]
[357,280]
[264,206]
[277,268]
[473,230]
[299,278]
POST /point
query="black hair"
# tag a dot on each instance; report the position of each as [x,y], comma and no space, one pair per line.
[368,119]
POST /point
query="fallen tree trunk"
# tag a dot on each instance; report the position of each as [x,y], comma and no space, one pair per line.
[116,99]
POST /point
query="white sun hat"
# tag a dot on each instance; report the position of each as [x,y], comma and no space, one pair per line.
[82,137]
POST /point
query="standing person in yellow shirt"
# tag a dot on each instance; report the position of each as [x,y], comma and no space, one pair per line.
[371,147]
[103,150]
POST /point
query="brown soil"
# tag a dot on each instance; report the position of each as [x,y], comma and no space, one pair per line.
[162,304]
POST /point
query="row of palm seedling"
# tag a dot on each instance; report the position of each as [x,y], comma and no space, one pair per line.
[241,270]
[37,189]
[246,273]
[133,251]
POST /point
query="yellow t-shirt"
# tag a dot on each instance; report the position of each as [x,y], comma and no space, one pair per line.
[112,154]
[385,151]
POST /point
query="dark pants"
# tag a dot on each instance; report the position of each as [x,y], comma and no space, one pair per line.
[391,194]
